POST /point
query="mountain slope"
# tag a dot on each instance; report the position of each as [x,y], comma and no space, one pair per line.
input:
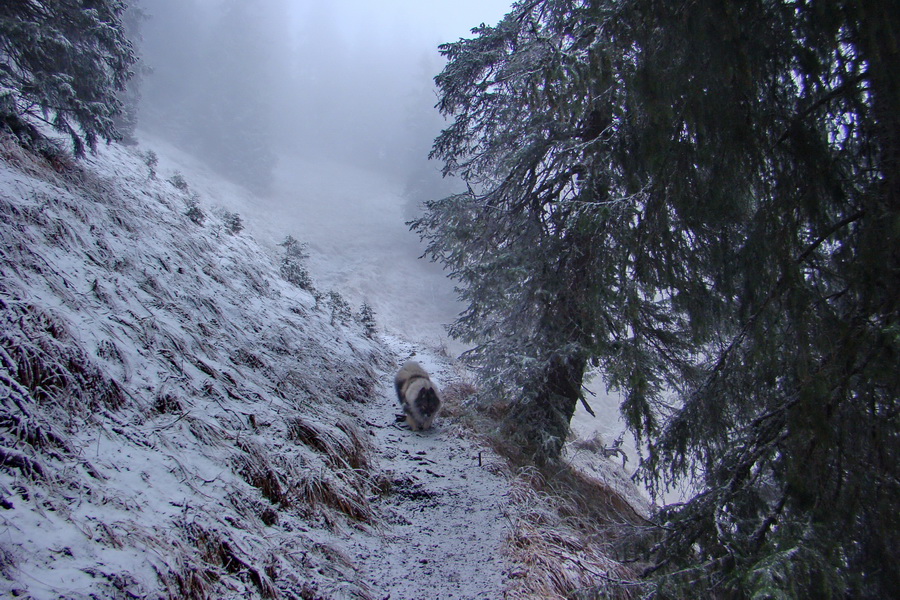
[174,418]
[177,421]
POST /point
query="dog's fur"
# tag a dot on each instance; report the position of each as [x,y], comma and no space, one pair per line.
[418,396]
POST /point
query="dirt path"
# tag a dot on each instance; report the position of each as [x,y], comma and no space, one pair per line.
[444,517]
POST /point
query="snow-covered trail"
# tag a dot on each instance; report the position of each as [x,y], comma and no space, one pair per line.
[444,513]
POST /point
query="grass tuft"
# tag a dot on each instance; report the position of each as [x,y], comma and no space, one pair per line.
[570,533]
[341,444]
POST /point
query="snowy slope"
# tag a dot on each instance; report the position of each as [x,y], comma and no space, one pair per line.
[175,420]
[354,223]
[353,220]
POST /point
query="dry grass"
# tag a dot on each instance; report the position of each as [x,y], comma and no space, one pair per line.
[255,468]
[345,483]
[574,535]
[356,387]
[200,558]
[571,534]
[341,444]
[218,551]
[45,360]
[455,396]
[43,371]
[45,166]
[334,491]
[336,485]
[167,403]
[562,552]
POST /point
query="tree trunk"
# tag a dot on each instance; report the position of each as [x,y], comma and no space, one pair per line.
[541,422]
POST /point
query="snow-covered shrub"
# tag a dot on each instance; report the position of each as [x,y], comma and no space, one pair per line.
[233,223]
[340,308]
[293,264]
[151,160]
[194,212]
[366,318]
[178,180]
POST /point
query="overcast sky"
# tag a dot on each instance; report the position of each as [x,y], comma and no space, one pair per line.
[429,21]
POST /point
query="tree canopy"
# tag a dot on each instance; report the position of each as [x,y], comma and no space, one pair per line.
[64,63]
[701,200]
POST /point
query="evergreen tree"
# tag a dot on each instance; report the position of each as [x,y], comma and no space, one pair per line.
[702,200]
[194,212]
[340,309]
[63,62]
[527,240]
[366,318]
[126,120]
[234,224]
[293,264]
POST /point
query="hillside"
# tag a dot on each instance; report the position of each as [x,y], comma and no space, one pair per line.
[175,417]
[354,222]
[177,421]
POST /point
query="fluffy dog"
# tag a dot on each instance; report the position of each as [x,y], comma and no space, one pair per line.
[417,394]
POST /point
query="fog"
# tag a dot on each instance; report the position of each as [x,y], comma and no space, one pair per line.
[247,82]
[325,111]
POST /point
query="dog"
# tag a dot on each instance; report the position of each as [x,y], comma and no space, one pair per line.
[418,396]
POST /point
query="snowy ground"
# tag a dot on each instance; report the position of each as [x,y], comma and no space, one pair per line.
[176,420]
[444,524]
[353,220]
[248,445]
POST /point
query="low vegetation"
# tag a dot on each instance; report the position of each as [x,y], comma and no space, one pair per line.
[572,535]
[173,414]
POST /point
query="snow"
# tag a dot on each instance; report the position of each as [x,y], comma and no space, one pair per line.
[206,358]
[445,512]
[177,368]
[354,222]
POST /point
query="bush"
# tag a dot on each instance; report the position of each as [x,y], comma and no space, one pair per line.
[178,180]
[233,223]
[293,264]
[366,318]
[194,213]
[151,160]
[340,309]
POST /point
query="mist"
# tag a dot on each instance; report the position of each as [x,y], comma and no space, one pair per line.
[325,111]
[246,83]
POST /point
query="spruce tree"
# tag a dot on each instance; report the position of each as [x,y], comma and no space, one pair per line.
[702,200]
[294,264]
[64,63]
[522,241]
[366,318]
